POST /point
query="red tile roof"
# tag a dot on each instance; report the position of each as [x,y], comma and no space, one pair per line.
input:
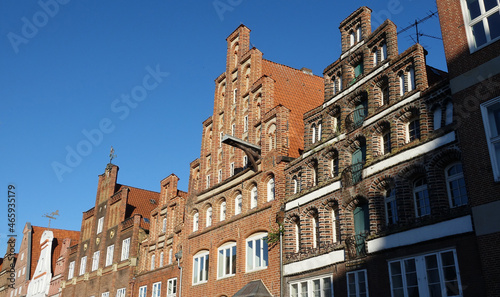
[297,91]
[140,201]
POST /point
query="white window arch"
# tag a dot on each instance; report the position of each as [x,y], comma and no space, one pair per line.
[254,197]
[238,203]
[257,252]
[223,210]
[196,218]
[455,185]
[226,260]
[448,113]
[437,116]
[209,217]
[271,189]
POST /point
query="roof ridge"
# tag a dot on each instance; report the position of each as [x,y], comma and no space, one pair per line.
[298,70]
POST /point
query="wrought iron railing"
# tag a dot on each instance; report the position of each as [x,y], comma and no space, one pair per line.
[355,119]
[356,245]
[352,175]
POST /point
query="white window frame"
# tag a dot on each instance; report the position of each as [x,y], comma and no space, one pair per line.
[172,287]
[481,18]
[254,197]
[356,275]
[271,189]
[295,184]
[226,258]
[315,231]
[100,224]
[305,287]
[452,178]
[492,135]
[71,270]
[152,263]
[83,265]
[402,87]
[106,294]
[223,210]
[200,267]
[109,254]
[235,97]
[257,252]
[156,290]
[208,219]
[418,189]
[125,249]
[122,292]
[95,260]
[238,204]
[231,169]
[421,273]
[196,221]
[143,291]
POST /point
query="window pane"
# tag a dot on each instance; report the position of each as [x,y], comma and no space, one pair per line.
[479,34]
[433,279]
[316,288]
[489,4]
[327,287]
[494,25]
[233,260]
[257,253]
[474,10]
[250,255]
[221,263]
[264,252]
[450,274]
[294,290]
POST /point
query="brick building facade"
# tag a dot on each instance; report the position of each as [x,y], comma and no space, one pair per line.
[7,267]
[377,204]
[104,261]
[237,185]
[471,37]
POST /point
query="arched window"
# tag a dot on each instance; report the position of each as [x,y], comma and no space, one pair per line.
[375,56]
[383,52]
[455,184]
[209,217]
[315,173]
[152,262]
[384,92]
[413,130]
[297,235]
[402,87]
[253,197]
[315,229]
[272,137]
[352,38]
[196,217]
[223,211]
[334,165]
[313,133]
[411,79]
[247,78]
[391,207]
[358,34]
[226,263]
[164,225]
[200,267]
[257,252]
[448,113]
[421,196]
[238,201]
[335,225]
[319,131]
[361,226]
[170,252]
[295,185]
[270,189]
[437,116]
[386,142]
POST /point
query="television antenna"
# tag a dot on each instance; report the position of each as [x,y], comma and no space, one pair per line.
[415,24]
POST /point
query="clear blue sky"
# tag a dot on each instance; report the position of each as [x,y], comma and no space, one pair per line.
[67,68]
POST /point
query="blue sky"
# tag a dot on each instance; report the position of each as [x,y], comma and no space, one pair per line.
[78,77]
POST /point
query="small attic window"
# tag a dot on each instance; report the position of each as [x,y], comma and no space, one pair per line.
[146,220]
[152,201]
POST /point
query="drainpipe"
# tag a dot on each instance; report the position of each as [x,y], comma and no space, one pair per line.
[280,218]
[178,256]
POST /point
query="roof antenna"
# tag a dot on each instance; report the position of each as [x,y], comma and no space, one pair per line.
[415,24]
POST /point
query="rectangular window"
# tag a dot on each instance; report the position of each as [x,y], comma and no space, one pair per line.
[143,291]
[231,172]
[71,269]
[386,143]
[357,284]
[227,260]
[358,69]
[109,255]
[125,249]
[106,294]
[83,264]
[121,292]
[95,261]
[482,20]
[491,119]
[156,290]
[100,223]
[317,287]
[172,287]
[208,181]
[257,252]
[428,275]
[200,268]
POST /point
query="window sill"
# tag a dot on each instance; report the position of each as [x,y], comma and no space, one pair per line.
[225,277]
[256,270]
